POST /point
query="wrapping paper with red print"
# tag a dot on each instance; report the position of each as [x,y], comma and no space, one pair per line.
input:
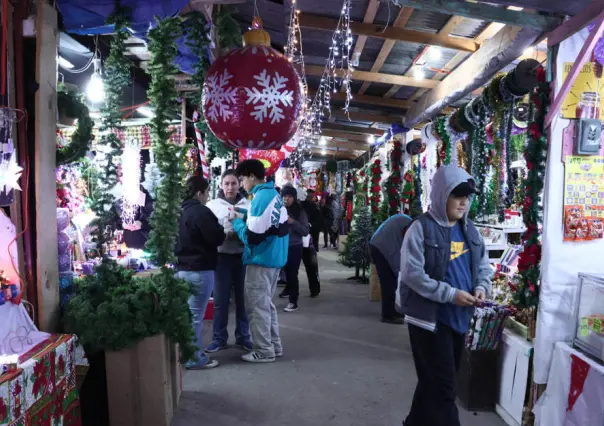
[42,391]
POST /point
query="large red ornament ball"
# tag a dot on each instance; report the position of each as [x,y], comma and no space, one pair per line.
[252,98]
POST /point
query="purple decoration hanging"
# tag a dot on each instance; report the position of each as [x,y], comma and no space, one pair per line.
[62,219]
[63,240]
[65,262]
[598,52]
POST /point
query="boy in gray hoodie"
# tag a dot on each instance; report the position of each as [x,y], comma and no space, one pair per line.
[444,274]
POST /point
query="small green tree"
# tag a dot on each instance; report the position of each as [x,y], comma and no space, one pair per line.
[356,250]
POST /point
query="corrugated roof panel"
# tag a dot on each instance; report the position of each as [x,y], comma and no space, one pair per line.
[372,48]
[387,13]
[427,21]
[469,28]
[403,53]
[378,89]
[405,92]
[332,9]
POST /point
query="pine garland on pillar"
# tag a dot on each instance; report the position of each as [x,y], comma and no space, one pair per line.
[529,261]
[169,157]
[110,148]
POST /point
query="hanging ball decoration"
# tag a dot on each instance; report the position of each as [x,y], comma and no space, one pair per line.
[416,146]
[252,96]
[429,135]
[523,78]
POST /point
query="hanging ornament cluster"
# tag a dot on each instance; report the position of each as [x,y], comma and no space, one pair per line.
[529,261]
[131,179]
[252,97]
[376,176]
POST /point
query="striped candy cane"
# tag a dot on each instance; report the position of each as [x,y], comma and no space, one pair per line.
[200,146]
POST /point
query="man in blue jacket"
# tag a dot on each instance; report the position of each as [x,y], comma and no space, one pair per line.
[264,232]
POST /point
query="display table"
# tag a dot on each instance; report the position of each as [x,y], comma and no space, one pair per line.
[42,390]
[514,366]
[575,391]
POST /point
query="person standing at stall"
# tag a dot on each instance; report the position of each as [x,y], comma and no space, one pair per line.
[230,271]
[315,219]
[385,247]
[298,229]
[263,229]
[445,272]
[199,236]
[327,213]
[310,248]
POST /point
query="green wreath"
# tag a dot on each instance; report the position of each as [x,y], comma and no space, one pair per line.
[71,105]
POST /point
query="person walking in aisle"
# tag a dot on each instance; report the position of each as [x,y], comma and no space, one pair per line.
[199,236]
[336,209]
[445,272]
[315,219]
[298,229]
[263,229]
[309,250]
[327,214]
[230,271]
[385,247]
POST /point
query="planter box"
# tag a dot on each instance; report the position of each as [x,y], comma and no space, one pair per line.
[478,380]
[143,383]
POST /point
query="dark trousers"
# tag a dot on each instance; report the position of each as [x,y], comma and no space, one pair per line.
[312,269]
[315,238]
[388,283]
[436,357]
[329,234]
[294,257]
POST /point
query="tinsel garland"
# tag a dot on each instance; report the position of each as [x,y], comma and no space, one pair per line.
[480,155]
[418,184]
[445,153]
[393,183]
[527,291]
[376,177]
[408,190]
[109,148]
[169,157]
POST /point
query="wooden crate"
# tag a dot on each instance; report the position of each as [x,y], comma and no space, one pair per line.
[143,383]
[375,291]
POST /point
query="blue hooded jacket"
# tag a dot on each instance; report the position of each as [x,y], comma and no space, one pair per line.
[265,229]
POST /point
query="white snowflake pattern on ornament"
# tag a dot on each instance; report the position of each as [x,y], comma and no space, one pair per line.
[270,97]
[220,96]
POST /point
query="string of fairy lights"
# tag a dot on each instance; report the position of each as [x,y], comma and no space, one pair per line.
[336,76]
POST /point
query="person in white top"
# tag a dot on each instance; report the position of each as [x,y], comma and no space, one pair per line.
[230,272]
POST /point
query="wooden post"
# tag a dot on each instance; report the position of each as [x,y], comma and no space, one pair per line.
[15,208]
[45,164]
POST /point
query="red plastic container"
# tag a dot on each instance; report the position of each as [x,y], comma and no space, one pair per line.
[209,315]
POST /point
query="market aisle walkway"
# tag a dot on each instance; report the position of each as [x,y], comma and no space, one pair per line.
[341,367]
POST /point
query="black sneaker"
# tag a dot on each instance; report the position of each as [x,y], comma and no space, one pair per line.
[291,307]
[284,294]
[393,320]
[314,295]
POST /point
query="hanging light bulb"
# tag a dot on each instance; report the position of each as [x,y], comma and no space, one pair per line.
[95,89]
[435,53]
[418,72]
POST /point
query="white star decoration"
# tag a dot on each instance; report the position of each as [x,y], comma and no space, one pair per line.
[10,172]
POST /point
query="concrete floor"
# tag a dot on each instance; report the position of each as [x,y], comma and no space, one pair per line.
[341,367]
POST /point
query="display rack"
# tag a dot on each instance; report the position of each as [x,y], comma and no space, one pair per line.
[496,238]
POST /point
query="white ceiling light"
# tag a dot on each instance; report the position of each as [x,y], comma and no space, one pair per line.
[323,152]
[371,139]
[529,51]
[95,89]
[147,112]
[434,52]
[64,63]
[322,140]
[418,73]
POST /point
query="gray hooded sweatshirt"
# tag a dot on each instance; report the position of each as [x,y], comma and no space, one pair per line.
[413,275]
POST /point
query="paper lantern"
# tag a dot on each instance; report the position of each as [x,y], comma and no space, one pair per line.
[252,97]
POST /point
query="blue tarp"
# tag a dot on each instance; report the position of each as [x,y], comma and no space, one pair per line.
[87,17]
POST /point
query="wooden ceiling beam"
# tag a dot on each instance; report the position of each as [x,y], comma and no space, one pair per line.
[507,45]
[376,77]
[370,13]
[343,135]
[485,12]
[347,145]
[366,116]
[401,20]
[449,26]
[329,154]
[352,129]
[369,100]
[388,32]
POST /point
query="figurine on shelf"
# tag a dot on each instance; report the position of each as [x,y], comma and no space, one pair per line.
[136,229]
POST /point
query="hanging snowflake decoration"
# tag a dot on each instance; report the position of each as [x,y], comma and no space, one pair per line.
[270,97]
[10,172]
[219,96]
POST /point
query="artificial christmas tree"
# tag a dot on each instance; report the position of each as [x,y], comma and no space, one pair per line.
[356,249]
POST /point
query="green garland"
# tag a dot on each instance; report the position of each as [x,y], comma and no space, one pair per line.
[441,129]
[526,293]
[72,106]
[228,36]
[393,183]
[113,310]
[116,78]
[168,156]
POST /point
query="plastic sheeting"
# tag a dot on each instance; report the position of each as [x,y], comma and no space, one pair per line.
[87,17]
[574,392]
[562,261]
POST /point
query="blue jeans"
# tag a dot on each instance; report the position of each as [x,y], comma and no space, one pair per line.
[202,283]
[230,273]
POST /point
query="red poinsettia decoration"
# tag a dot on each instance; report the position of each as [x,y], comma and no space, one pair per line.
[40,378]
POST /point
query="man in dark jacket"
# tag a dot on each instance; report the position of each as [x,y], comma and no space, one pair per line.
[315,219]
[199,237]
[385,249]
[445,272]
[309,252]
